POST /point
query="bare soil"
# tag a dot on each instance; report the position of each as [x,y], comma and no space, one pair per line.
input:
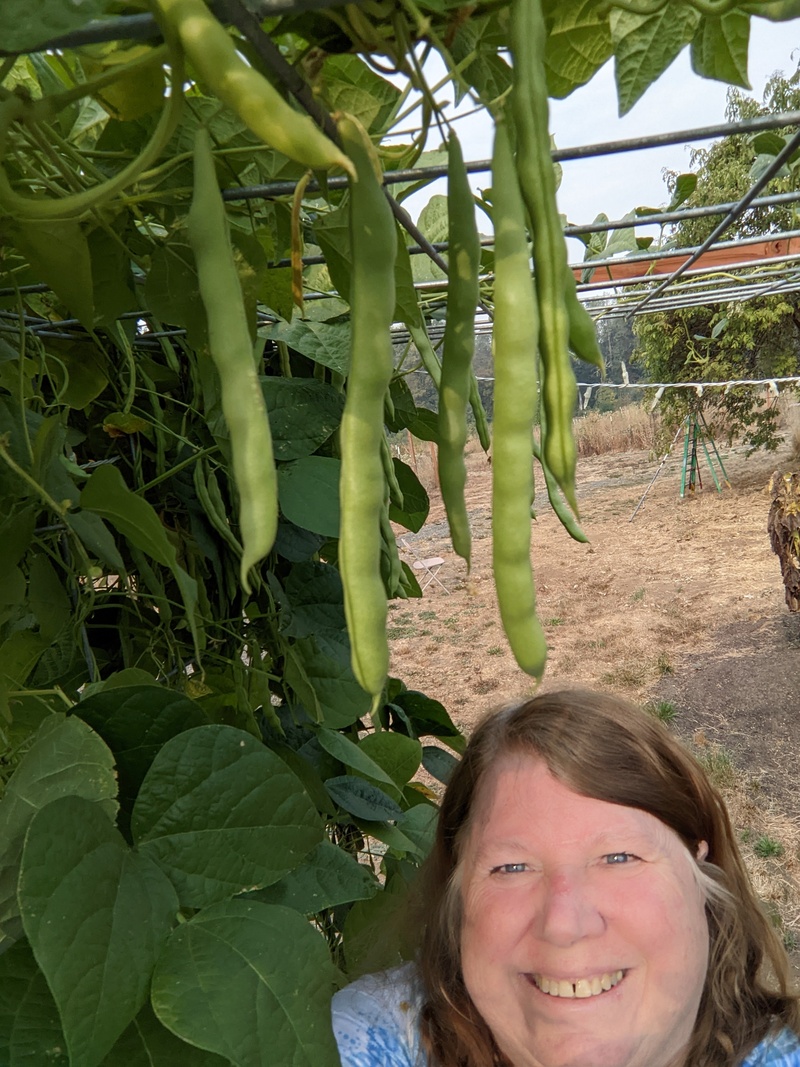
[682,604]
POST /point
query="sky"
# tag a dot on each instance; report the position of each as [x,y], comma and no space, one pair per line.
[678,100]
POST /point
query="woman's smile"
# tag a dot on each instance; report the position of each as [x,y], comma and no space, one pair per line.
[577,988]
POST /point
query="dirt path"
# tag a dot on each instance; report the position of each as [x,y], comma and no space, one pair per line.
[683,604]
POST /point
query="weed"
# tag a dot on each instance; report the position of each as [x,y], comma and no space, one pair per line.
[626,676]
[664,710]
[790,940]
[555,621]
[767,846]
[495,650]
[664,664]
[746,835]
[427,615]
[395,632]
[716,762]
[638,595]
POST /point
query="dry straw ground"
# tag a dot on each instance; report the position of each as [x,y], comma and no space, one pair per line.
[681,607]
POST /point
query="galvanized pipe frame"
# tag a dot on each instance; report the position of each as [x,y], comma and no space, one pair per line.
[247,22]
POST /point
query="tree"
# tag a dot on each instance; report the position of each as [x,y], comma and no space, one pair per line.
[756,338]
[192,775]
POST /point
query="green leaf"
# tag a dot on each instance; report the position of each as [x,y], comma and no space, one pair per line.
[112,282]
[685,185]
[323,662]
[429,718]
[768,142]
[622,239]
[407,307]
[66,758]
[106,494]
[489,73]
[645,45]
[578,44]
[135,722]
[303,413]
[172,292]
[433,223]
[362,799]
[252,982]
[59,254]
[438,762]
[148,1043]
[308,491]
[419,824]
[221,813]
[354,756]
[416,503]
[315,600]
[397,755]
[96,915]
[351,86]
[325,343]
[47,597]
[375,936]
[30,1030]
[23,26]
[719,48]
[97,539]
[327,877]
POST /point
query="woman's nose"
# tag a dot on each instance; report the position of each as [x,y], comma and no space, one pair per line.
[568,910]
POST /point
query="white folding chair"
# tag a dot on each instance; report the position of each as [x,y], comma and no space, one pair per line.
[427,569]
[429,572]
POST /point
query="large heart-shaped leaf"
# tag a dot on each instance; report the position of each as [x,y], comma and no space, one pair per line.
[96,915]
[221,813]
[66,758]
[251,982]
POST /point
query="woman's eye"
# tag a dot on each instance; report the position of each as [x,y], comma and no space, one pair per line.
[619,857]
[510,868]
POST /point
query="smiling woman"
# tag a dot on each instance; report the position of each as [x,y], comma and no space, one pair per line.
[585,905]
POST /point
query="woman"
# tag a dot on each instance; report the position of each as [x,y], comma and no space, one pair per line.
[585,905]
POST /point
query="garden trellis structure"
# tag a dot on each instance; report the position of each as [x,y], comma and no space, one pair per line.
[189,770]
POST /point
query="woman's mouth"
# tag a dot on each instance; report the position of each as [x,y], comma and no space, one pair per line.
[580,988]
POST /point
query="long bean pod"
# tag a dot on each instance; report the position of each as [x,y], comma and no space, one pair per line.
[582,331]
[459,346]
[362,483]
[258,104]
[231,350]
[515,402]
[537,180]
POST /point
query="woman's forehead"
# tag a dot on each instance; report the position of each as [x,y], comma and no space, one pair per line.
[520,794]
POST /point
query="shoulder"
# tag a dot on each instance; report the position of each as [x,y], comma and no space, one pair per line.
[781,1049]
[375,1020]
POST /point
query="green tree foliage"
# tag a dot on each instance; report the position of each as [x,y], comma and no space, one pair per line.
[750,339]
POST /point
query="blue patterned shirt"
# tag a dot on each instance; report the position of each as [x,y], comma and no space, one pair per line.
[375,1023]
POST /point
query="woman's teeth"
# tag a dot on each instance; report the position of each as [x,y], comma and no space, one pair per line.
[581,987]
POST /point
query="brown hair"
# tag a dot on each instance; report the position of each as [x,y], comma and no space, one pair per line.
[581,736]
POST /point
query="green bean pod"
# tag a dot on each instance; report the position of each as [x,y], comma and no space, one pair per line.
[562,512]
[231,349]
[582,331]
[459,346]
[258,104]
[362,484]
[537,180]
[516,327]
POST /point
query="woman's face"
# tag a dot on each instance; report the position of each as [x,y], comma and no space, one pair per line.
[584,940]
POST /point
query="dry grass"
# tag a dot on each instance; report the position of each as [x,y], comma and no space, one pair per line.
[630,427]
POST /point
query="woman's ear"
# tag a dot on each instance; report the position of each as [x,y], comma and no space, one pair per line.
[702,851]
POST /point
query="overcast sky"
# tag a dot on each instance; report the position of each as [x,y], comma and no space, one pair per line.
[679,99]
